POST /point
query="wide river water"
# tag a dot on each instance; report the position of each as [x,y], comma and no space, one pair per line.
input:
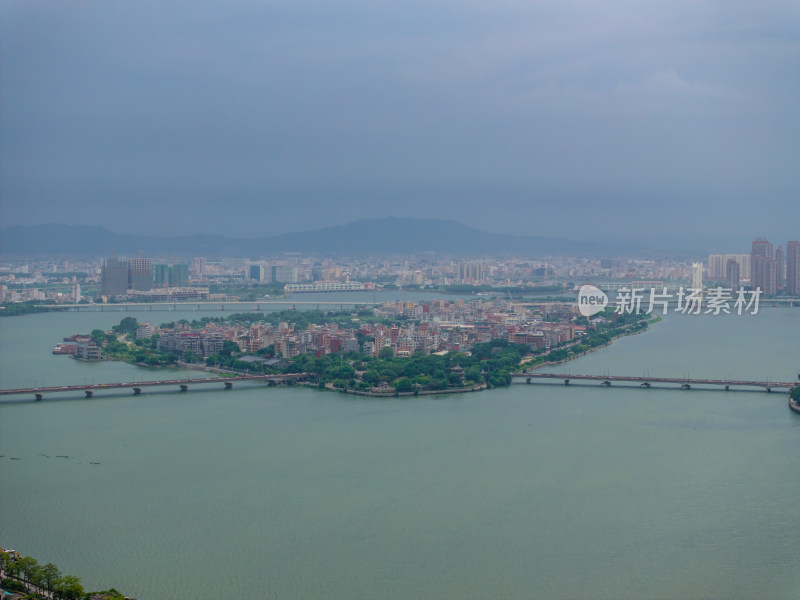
[533,491]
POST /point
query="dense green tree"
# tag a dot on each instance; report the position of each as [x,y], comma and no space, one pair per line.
[229,348]
[28,566]
[404,385]
[11,566]
[50,576]
[127,325]
[454,380]
[473,373]
[69,588]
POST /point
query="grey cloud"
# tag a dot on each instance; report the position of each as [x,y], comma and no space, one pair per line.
[326,112]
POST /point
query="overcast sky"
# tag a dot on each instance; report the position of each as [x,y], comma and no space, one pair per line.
[675,119]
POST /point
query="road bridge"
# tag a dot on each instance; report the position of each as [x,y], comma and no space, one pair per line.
[136,386]
[646,382]
[200,305]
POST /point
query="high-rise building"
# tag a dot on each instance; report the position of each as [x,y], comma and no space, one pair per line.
[114,276]
[76,292]
[283,274]
[472,271]
[732,272]
[697,276]
[179,275]
[781,277]
[161,275]
[716,266]
[793,268]
[770,277]
[200,266]
[175,275]
[760,270]
[257,273]
[743,260]
[140,276]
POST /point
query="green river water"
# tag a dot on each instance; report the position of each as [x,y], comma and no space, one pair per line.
[533,491]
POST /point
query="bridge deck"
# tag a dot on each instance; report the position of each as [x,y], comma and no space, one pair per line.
[141,384]
[676,380]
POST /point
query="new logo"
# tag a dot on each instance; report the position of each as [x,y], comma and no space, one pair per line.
[591,300]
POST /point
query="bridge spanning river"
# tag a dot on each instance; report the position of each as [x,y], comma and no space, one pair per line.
[200,305]
[604,380]
[136,386]
[646,382]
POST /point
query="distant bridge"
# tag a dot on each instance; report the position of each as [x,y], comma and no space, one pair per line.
[646,382]
[199,305]
[136,386]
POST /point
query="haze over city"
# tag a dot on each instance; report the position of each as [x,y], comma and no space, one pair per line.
[673,123]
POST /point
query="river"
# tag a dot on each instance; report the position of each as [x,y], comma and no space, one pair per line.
[536,490]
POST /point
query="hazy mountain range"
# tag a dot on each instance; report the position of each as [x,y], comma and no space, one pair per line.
[366,237]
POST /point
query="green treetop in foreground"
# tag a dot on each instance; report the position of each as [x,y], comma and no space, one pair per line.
[25,575]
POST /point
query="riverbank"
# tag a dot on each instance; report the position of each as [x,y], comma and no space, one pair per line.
[570,357]
[794,405]
[392,393]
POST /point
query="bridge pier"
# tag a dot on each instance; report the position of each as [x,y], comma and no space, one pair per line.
[184,387]
[528,380]
[566,382]
[39,397]
[89,393]
[228,385]
[769,389]
[137,391]
[727,388]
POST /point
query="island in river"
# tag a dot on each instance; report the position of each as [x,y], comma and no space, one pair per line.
[399,348]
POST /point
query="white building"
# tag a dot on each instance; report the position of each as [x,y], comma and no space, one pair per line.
[697,276]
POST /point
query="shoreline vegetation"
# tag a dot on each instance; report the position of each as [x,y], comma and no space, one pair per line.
[794,399]
[485,365]
[23,575]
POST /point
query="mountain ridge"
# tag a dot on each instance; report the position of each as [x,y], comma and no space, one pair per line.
[387,235]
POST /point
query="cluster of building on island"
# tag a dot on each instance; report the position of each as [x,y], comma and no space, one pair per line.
[436,326]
